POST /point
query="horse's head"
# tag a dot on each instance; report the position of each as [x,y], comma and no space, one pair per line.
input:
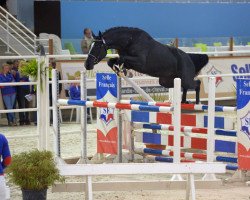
[97,52]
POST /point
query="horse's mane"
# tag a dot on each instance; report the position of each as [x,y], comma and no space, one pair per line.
[124,28]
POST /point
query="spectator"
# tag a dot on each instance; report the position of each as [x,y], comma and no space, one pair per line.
[8,92]
[53,64]
[22,91]
[5,160]
[87,40]
[75,94]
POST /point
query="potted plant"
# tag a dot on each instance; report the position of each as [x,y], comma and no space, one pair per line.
[34,172]
[29,68]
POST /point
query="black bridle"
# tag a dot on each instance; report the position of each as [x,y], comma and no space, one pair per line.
[96,59]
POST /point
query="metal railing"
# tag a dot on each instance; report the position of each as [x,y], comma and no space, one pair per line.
[20,32]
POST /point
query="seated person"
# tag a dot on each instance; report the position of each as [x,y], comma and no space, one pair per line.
[75,94]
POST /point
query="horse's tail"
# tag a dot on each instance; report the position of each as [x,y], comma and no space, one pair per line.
[199,60]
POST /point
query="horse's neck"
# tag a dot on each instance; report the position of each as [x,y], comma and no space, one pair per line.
[118,41]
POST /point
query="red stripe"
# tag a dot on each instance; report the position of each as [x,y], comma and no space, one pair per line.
[123,106]
[100,104]
[199,130]
[195,155]
[163,104]
[187,106]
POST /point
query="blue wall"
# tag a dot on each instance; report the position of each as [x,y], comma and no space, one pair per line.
[161,20]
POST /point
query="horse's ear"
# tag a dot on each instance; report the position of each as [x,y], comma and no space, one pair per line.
[100,34]
[94,36]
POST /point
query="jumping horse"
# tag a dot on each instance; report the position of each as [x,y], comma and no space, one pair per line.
[139,51]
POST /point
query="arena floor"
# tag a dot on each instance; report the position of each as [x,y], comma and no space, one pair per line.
[71,148]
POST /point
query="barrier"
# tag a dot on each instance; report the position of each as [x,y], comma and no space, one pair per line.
[89,170]
[188,141]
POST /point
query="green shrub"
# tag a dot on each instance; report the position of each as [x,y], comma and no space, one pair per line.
[34,170]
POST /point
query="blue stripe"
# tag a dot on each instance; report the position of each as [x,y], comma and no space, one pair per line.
[151,138]
[152,126]
[149,108]
[226,133]
[231,167]
[204,107]
[225,146]
[137,116]
[218,108]
[76,102]
[164,159]
[218,122]
[138,102]
[152,151]
[227,159]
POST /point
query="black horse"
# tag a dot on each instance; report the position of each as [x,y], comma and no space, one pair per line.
[139,51]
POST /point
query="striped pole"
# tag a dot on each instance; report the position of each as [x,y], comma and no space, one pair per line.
[121,106]
[185,155]
[184,129]
[200,107]
[170,160]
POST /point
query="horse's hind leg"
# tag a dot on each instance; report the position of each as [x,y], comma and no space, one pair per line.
[197,84]
[197,91]
[184,95]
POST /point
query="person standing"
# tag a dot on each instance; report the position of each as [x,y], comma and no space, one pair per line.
[87,40]
[21,92]
[75,94]
[5,160]
[8,93]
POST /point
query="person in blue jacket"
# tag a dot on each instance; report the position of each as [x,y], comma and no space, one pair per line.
[22,91]
[8,92]
[75,94]
[5,160]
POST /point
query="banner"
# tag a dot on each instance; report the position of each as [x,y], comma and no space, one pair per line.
[243,123]
[106,91]
[217,66]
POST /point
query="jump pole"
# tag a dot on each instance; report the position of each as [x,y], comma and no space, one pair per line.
[210,133]
[131,82]
[177,124]
[83,159]
[56,127]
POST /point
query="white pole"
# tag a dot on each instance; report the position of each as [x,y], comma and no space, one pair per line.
[177,119]
[83,118]
[210,119]
[42,112]
[38,104]
[177,124]
[55,113]
[47,94]
[119,117]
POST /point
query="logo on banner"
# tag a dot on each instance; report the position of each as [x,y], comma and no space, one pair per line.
[107,115]
[214,71]
[245,124]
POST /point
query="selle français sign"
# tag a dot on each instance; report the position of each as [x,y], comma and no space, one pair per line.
[106,91]
[243,123]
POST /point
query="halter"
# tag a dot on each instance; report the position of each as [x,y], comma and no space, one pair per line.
[97,58]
